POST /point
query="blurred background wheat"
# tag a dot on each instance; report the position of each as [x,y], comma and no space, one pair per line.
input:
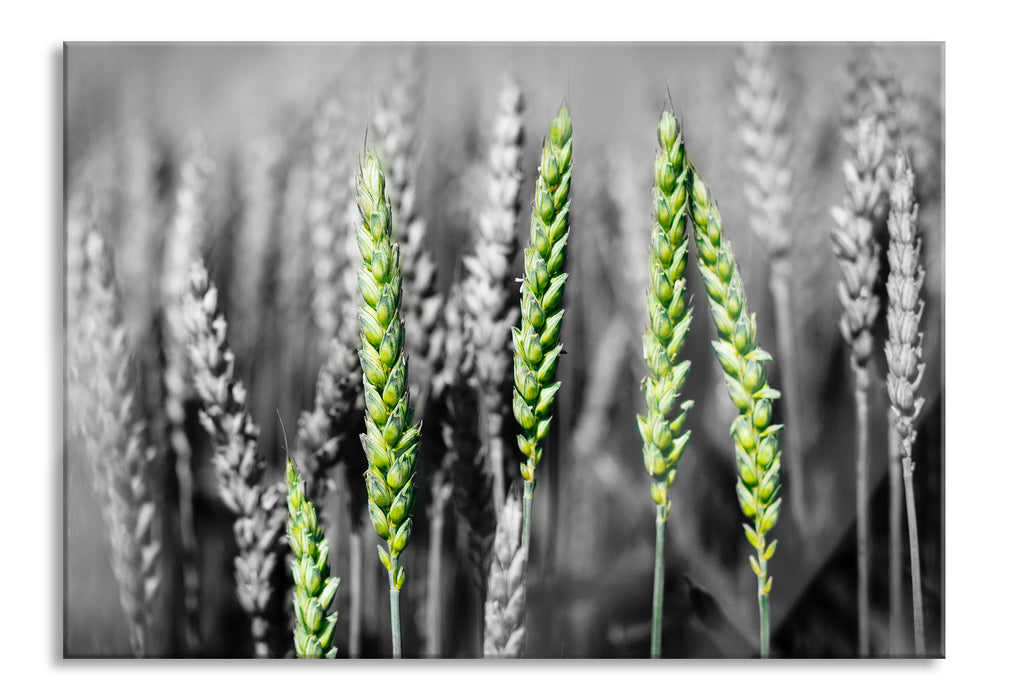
[234,132]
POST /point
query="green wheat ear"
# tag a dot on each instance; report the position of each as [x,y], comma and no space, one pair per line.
[314,588]
[537,344]
[758,460]
[669,318]
[391,437]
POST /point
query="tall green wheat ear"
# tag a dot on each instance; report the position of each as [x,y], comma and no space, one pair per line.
[391,439]
[239,468]
[857,253]
[505,608]
[115,446]
[537,346]
[758,460]
[669,317]
[314,589]
[904,354]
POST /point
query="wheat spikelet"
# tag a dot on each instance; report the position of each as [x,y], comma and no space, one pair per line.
[669,315]
[183,240]
[904,352]
[314,589]
[758,460]
[488,301]
[537,345]
[505,608]
[395,129]
[115,446]
[391,439]
[239,469]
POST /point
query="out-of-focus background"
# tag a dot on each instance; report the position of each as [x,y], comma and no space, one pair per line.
[132,113]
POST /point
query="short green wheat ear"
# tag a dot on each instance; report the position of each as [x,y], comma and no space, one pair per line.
[669,316]
[758,459]
[314,588]
[537,344]
[391,437]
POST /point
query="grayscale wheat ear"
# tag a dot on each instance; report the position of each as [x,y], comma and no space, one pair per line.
[395,129]
[488,300]
[115,445]
[771,194]
[258,506]
[904,354]
[857,252]
[184,237]
[505,608]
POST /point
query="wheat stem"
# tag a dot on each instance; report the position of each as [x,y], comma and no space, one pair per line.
[862,504]
[912,534]
[658,584]
[896,510]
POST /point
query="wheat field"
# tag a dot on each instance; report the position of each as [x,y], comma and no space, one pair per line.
[218,289]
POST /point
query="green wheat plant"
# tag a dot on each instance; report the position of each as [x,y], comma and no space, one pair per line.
[314,588]
[505,607]
[758,458]
[904,354]
[771,194]
[669,317]
[257,505]
[857,252]
[391,438]
[537,346]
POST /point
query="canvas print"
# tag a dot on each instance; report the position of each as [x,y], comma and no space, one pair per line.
[503,350]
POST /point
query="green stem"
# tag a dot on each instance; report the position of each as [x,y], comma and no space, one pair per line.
[397,642]
[912,537]
[527,512]
[862,504]
[765,620]
[658,586]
